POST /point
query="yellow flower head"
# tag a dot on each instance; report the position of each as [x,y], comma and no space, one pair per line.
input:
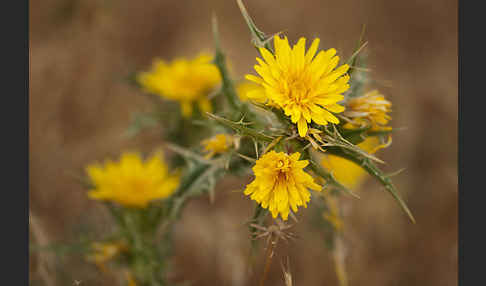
[217,144]
[346,172]
[131,182]
[244,88]
[280,183]
[104,252]
[183,80]
[369,110]
[130,279]
[307,88]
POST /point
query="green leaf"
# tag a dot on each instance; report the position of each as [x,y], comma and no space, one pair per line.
[258,37]
[329,178]
[373,170]
[354,136]
[187,154]
[380,133]
[359,77]
[200,179]
[353,60]
[334,138]
[241,128]
[141,121]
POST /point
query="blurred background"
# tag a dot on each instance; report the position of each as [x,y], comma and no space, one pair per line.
[81,105]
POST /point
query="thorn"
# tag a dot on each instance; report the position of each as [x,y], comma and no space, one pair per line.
[255,143]
[246,157]
[395,173]
[272,144]
[292,215]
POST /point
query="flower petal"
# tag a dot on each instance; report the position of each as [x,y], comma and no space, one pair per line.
[302,127]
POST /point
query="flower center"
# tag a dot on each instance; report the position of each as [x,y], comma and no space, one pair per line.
[283,167]
[297,89]
[137,186]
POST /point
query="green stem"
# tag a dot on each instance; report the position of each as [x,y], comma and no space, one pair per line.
[148,263]
[228,88]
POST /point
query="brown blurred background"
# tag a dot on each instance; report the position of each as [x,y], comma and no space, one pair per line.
[80,107]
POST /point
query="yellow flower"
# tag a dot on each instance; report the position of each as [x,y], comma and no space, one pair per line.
[183,80]
[369,110]
[280,182]
[103,252]
[244,88]
[131,182]
[217,144]
[346,172]
[307,88]
[130,280]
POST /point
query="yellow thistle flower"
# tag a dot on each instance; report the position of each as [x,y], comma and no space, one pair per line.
[183,80]
[104,252]
[280,182]
[369,110]
[130,279]
[218,144]
[346,172]
[245,87]
[131,182]
[307,88]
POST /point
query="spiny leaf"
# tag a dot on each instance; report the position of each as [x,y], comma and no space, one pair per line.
[241,128]
[392,174]
[353,60]
[380,133]
[354,136]
[187,154]
[141,121]
[251,160]
[258,37]
[329,178]
[272,144]
[358,135]
[192,185]
[373,170]
[334,139]
[359,77]
[279,114]
[189,178]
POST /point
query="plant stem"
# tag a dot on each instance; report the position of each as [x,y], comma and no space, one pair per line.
[227,88]
[271,245]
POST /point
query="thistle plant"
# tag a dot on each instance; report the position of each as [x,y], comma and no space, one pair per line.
[304,124]
[135,191]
